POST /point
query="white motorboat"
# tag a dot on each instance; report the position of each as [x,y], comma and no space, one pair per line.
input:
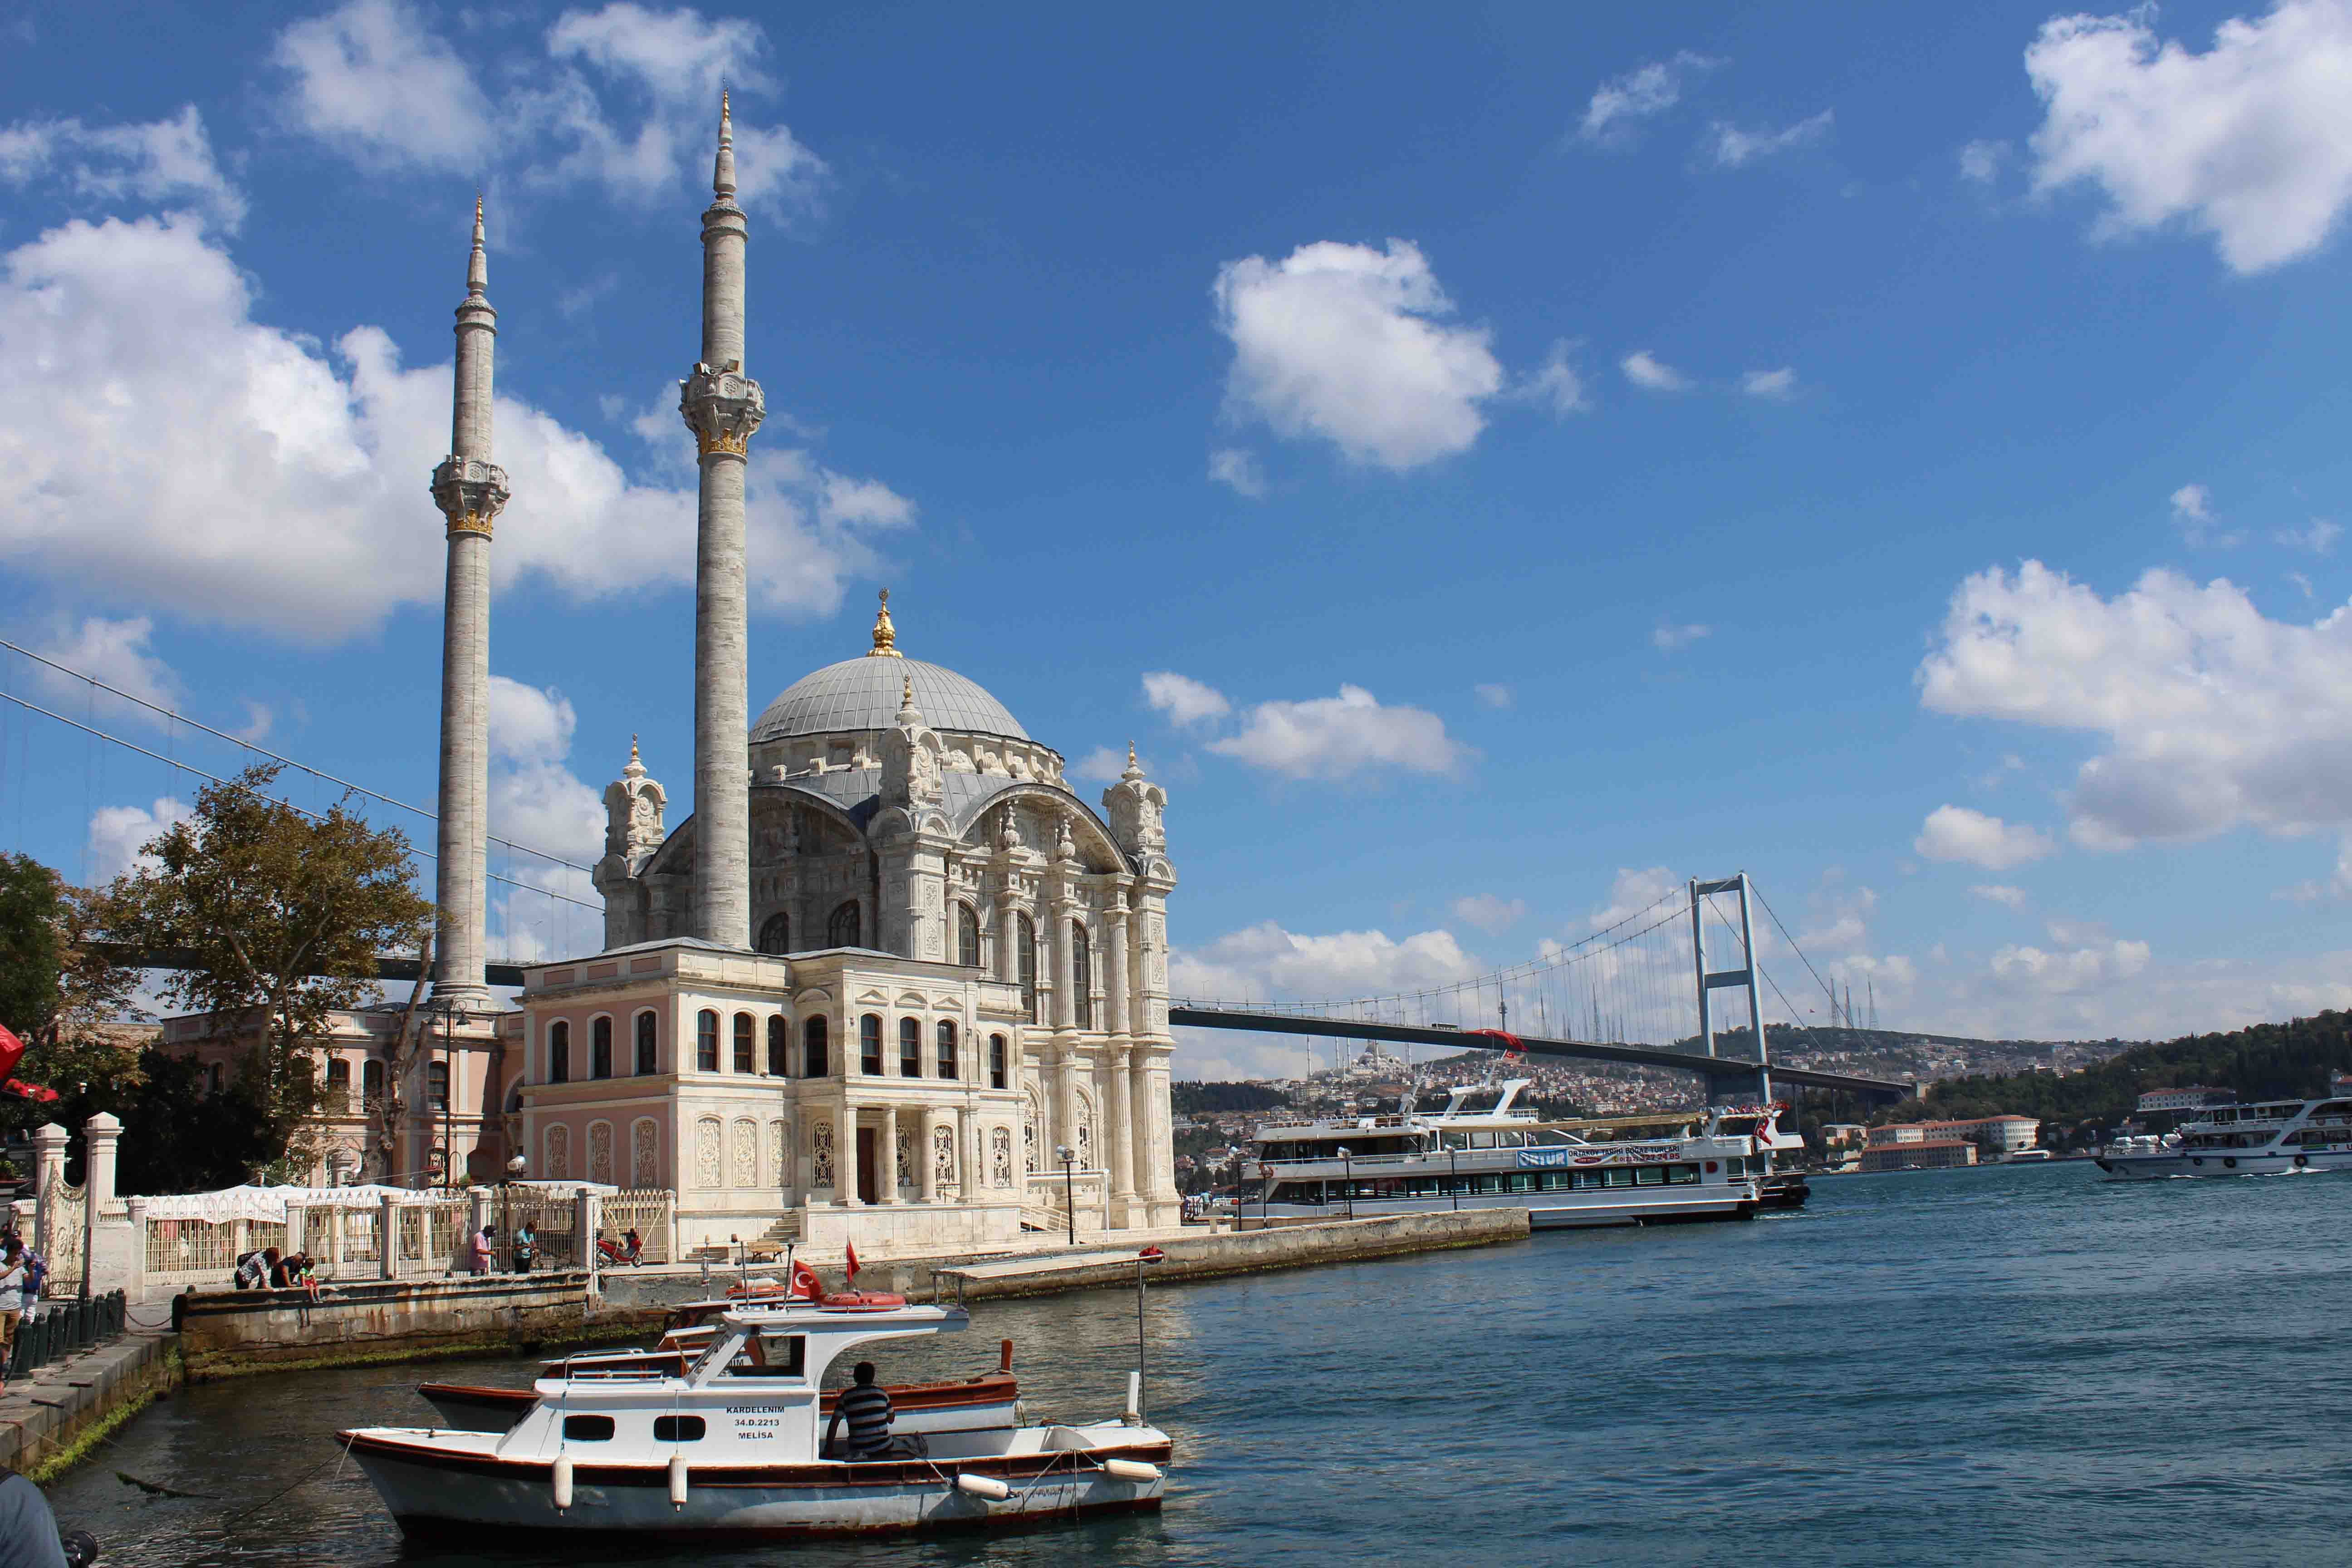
[2266,1140]
[729,1448]
[1709,1164]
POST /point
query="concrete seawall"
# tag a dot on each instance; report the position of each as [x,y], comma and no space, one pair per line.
[50,1416]
[228,1333]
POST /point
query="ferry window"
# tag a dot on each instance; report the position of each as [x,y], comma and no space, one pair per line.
[1651,1177]
[996,1062]
[1682,1175]
[1620,1177]
[910,1048]
[780,1040]
[677,1428]
[1522,1183]
[588,1428]
[1489,1183]
[813,1048]
[870,1044]
[745,1061]
[705,1040]
[644,1043]
[1586,1180]
[947,1033]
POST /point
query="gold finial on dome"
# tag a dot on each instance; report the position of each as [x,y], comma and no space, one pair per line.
[636,768]
[886,636]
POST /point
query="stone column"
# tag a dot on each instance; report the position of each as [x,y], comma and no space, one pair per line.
[1066,1100]
[844,1156]
[886,1161]
[1114,967]
[722,406]
[1119,1133]
[101,1134]
[1143,1153]
[927,1174]
[387,1239]
[1065,994]
[469,490]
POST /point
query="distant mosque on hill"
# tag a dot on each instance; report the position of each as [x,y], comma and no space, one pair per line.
[887,975]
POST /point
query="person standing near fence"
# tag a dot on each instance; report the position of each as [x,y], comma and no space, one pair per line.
[12,1301]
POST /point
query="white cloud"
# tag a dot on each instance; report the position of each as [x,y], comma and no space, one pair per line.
[165,162]
[626,98]
[1339,737]
[1488,914]
[1348,343]
[2213,715]
[1644,370]
[2249,142]
[1957,833]
[2000,893]
[2192,514]
[1733,147]
[115,652]
[1491,694]
[237,472]
[535,799]
[1103,765]
[1980,161]
[1265,962]
[1185,701]
[1773,383]
[1556,385]
[2319,538]
[1640,94]
[2069,971]
[117,834]
[1238,468]
[1632,891]
[1666,635]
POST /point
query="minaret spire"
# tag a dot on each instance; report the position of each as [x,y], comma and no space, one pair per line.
[722,406]
[469,490]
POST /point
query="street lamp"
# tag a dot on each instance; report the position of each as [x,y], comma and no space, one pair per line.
[1068,1156]
[515,1168]
[1347,1180]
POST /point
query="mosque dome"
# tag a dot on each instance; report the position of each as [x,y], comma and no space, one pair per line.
[866,692]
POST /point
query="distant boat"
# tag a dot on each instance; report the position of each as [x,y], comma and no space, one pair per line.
[2026,1156]
[2241,1141]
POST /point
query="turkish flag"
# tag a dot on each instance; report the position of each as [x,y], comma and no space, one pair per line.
[852,1279]
[804,1282]
[12,1051]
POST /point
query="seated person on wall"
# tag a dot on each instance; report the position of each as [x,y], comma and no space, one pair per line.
[867,1408]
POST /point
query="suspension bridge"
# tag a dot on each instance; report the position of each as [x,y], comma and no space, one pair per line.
[1637,993]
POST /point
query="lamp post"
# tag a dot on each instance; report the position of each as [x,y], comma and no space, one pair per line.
[451,1011]
[1348,1180]
[515,1168]
[1068,1156]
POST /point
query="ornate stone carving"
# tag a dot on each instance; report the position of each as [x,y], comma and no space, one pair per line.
[820,1153]
[706,1167]
[722,406]
[999,1156]
[634,805]
[747,1153]
[943,1156]
[559,1153]
[780,1154]
[1136,810]
[470,493]
[1064,847]
[600,1152]
[1029,1131]
[643,1170]
[905,1161]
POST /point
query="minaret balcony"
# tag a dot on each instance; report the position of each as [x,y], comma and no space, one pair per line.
[469,493]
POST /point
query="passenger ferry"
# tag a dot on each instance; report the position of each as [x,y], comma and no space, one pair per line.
[1708,1164]
[729,1445]
[2241,1141]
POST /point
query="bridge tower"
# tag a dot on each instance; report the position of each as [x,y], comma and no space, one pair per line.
[1720,1090]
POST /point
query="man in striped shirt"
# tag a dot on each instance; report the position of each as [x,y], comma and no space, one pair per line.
[866,1408]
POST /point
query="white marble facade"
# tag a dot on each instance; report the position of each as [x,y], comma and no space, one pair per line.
[923,879]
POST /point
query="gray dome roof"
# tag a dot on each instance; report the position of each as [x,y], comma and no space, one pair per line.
[865,693]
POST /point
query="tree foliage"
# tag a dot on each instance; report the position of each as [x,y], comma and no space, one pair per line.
[279,918]
[1218,1098]
[29,944]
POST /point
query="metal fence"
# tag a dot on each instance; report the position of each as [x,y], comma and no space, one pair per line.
[650,1211]
[205,1249]
[63,1328]
[64,1235]
[553,1221]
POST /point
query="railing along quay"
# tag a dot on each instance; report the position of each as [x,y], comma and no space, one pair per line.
[65,1328]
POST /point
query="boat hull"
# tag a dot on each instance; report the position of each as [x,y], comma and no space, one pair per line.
[471,1497]
[932,1409]
[1672,1206]
[2209,1163]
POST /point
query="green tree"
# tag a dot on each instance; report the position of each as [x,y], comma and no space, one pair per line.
[279,918]
[29,944]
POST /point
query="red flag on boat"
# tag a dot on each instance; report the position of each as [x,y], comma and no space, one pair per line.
[851,1279]
[804,1282]
[11,1050]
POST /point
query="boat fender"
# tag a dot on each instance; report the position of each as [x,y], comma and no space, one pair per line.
[2230,1162]
[561,1474]
[987,1487]
[2302,1160]
[1132,1469]
[678,1480]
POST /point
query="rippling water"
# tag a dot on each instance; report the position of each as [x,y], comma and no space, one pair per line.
[1946,1366]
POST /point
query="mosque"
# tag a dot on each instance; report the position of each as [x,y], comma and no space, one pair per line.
[893,982]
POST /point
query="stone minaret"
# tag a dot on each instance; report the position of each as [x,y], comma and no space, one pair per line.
[469,490]
[722,406]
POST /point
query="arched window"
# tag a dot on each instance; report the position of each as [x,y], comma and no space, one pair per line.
[339,1086]
[1024,938]
[996,1062]
[705,1040]
[947,1048]
[1082,978]
[600,1048]
[558,1052]
[842,930]
[910,1048]
[645,1044]
[813,1048]
[746,1051]
[869,1046]
[967,937]
[437,1085]
[779,1042]
[776,934]
[370,1083]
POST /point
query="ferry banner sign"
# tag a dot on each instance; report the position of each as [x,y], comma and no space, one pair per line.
[1559,1159]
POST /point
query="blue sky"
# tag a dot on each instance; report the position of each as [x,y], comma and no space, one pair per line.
[1899,453]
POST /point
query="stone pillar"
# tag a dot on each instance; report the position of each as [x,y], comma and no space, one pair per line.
[926,1174]
[967,1190]
[886,1158]
[477,1214]
[1115,961]
[844,1156]
[387,1239]
[1118,1131]
[48,1176]
[298,1229]
[1065,1101]
[722,406]
[587,1225]
[100,1135]
[1154,1135]
[1065,995]
[469,490]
